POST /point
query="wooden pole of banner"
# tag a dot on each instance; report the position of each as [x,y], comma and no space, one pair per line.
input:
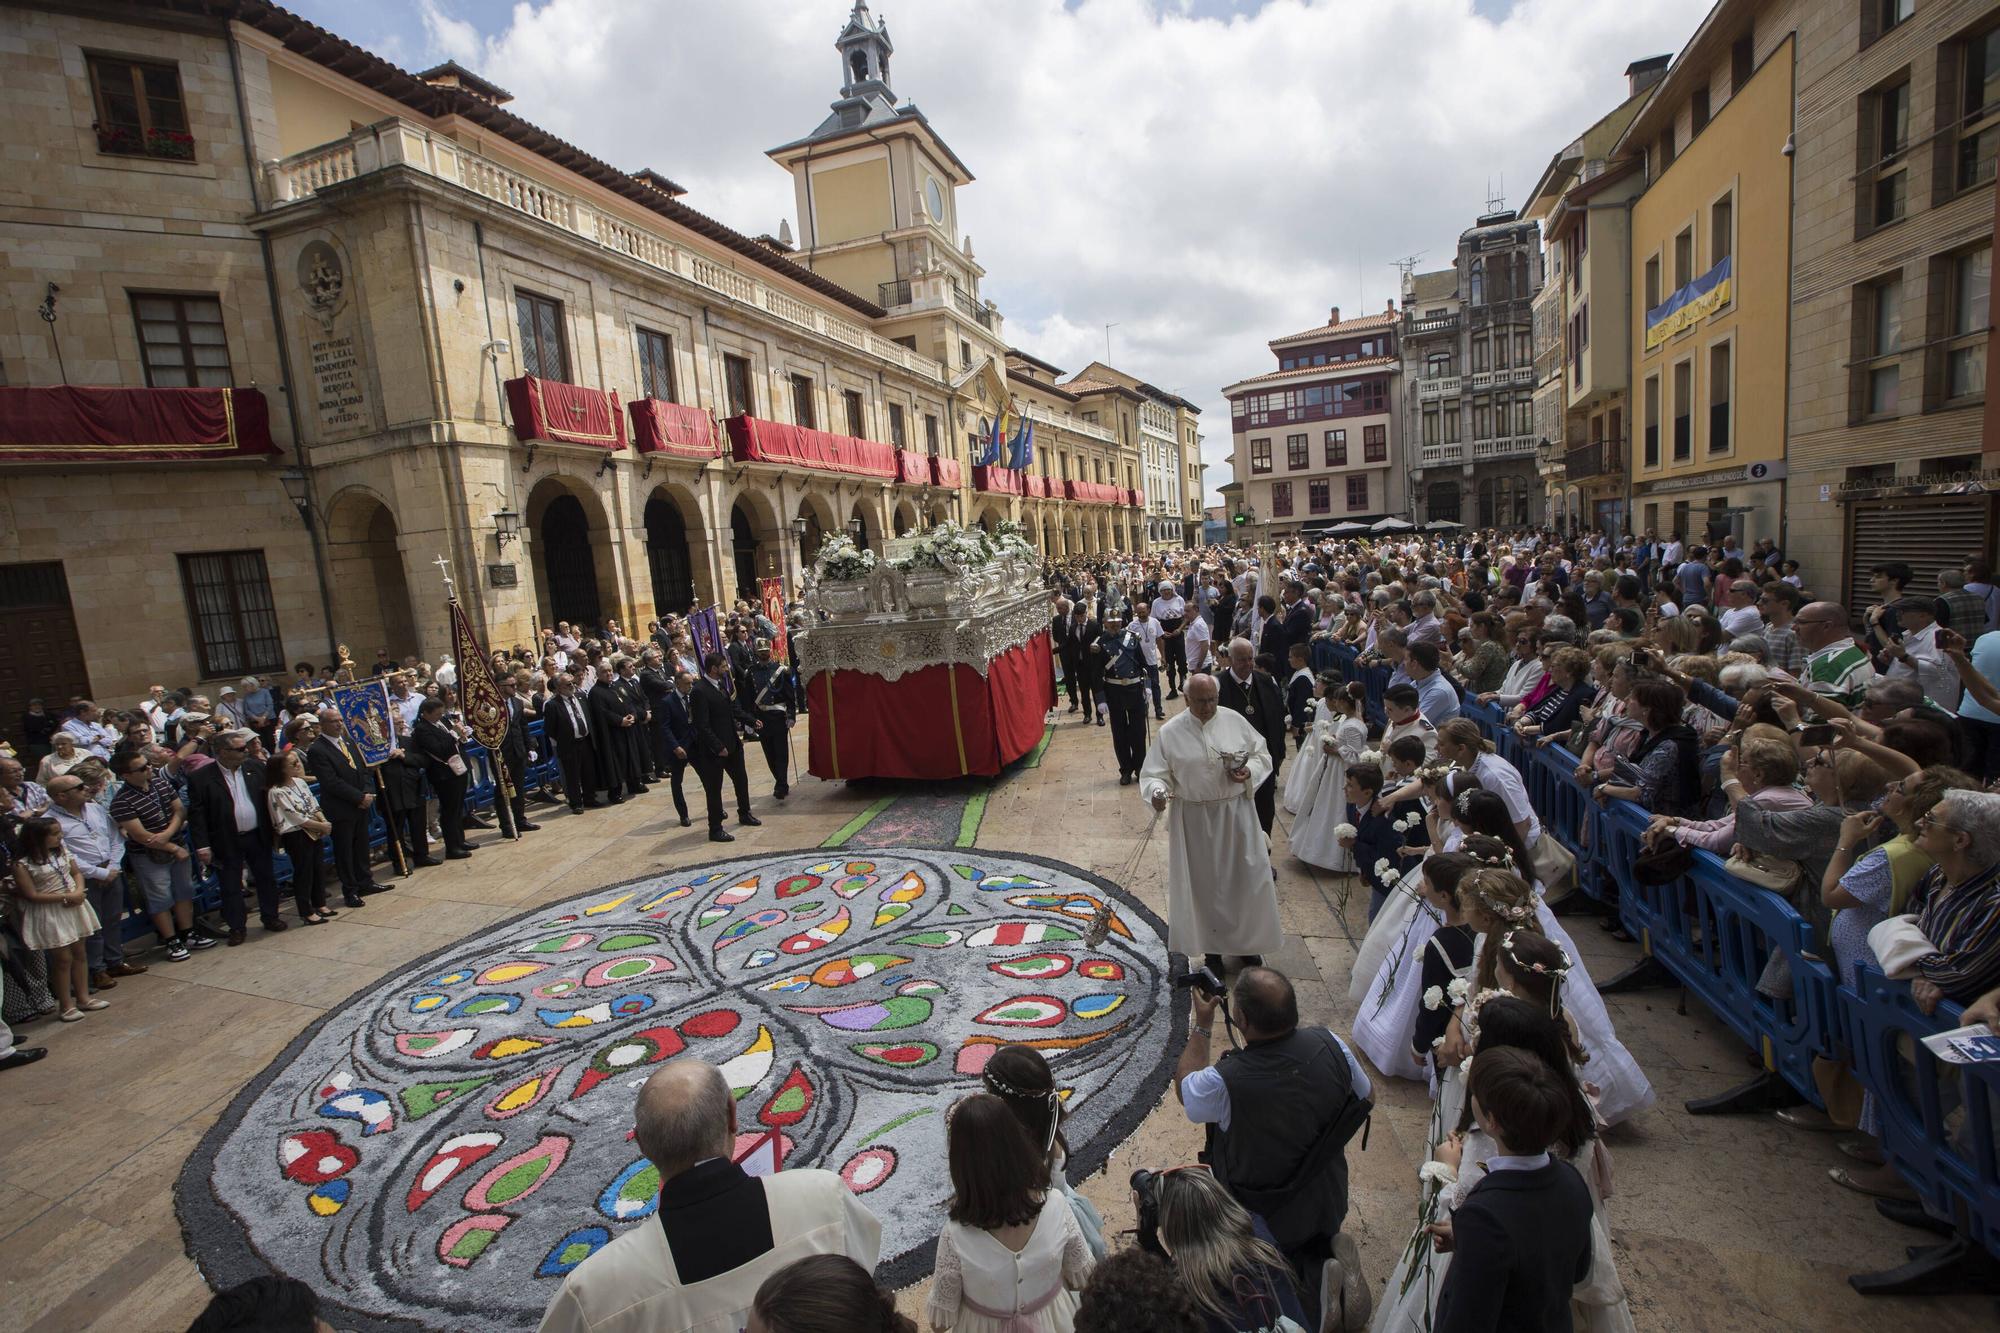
[389,818]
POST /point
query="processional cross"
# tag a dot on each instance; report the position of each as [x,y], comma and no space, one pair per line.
[444,569]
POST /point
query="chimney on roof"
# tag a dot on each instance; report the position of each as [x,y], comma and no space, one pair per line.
[1643,74]
[1390,307]
[1334,318]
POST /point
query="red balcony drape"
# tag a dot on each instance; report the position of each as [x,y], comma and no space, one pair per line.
[565,413]
[106,423]
[661,427]
[754,440]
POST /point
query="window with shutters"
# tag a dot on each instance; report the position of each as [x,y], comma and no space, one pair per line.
[656,366]
[538,320]
[1336,448]
[931,432]
[140,111]
[1281,499]
[898,434]
[1882,192]
[1296,454]
[1357,493]
[857,424]
[1319,496]
[1260,455]
[1878,366]
[1375,444]
[181,341]
[1967,280]
[1721,394]
[230,611]
[736,386]
[804,410]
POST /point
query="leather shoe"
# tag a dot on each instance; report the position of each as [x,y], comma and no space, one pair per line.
[750,820]
[102,981]
[274,925]
[721,835]
[616,800]
[126,969]
[236,937]
[525,827]
[376,888]
[458,854]
[23,1055]
[353,900]
[430,861]
[592,805]
[685,821]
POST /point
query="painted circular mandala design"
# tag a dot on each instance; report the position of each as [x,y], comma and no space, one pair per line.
[441,1150]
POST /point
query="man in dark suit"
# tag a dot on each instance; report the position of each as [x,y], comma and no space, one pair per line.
[716,717]
[674,724]
[347,795]
[656,684]
[1084,633]
[1256,696]
[1520,1241]
[566,725]
[1066,633]
[1298,618]
[515,753]
[435,742]
[617,713]
[774,704]
[229,822]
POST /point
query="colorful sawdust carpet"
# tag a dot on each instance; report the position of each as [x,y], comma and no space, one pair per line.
[439,1151]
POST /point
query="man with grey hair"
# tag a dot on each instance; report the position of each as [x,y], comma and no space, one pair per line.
[229,822]
[1426,628]
[719,1232]
[1559,627]
[1957,903]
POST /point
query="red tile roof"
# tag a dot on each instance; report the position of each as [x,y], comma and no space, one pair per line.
[1306,372]
[1380,319]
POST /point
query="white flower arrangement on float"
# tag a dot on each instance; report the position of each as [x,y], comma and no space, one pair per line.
[1010,539]
[840,560]
[951,548]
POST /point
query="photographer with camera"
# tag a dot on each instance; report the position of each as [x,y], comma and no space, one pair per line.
[1280,1110]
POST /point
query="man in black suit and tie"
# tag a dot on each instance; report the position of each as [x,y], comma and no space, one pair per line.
[619,720]
[347,795]
[1066,631]
[566,725]
[1255,695]
[1298,618]
[229,822]
[674,726]
[515,753]
[716,717]
[656,684]
[1520,1241]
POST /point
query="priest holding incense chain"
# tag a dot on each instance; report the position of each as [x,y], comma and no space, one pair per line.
[1221,898]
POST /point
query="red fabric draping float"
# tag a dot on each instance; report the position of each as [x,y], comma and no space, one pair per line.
[661,427]
[754,440]
[912,468]
[944,721]
[92,424]
[945,472]
[565,413]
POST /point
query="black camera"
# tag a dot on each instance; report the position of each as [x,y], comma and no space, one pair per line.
[1202,979]
[1146,1194]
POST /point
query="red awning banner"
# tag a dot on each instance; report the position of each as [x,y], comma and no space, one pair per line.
[945,472]
[105,424]
[754,440]
[912,468]
[1094,492]
[661,427]
[996,480]
[565,413]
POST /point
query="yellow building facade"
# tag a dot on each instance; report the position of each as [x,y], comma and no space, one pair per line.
[1711,281]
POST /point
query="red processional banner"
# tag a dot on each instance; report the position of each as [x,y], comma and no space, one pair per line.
[771,593]
[105,424]
[565,413]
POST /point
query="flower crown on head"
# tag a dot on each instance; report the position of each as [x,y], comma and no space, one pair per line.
[1501,860]
[1516,912]
[1507,948]
[1000,1087]
[1464,802]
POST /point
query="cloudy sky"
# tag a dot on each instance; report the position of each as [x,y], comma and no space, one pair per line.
[1202,174]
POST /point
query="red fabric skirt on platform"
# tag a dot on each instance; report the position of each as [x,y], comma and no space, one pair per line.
[940,722]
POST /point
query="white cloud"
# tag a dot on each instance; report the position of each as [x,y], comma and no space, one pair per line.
[1205,179]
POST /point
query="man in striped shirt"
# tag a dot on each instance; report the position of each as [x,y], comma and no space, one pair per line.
[1835,665]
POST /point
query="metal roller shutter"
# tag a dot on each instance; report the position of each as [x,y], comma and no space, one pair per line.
[1926,532]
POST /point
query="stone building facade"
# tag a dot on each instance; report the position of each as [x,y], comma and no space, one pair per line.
[1317,441]
[478,344]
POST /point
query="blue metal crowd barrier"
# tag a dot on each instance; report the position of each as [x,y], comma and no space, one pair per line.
[1714,934]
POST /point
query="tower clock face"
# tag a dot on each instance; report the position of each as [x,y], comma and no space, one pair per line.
[934,196]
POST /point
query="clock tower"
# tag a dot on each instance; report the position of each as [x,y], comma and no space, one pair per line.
[877,197]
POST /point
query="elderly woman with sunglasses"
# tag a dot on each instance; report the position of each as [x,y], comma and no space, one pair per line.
[1957,902]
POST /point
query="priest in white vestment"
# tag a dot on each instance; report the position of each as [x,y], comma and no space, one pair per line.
[1221,899]
[695,1265]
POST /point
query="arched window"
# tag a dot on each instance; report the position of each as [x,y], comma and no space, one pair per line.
[1479,282]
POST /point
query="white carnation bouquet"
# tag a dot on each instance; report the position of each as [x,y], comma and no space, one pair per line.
[948,546]
[840,559]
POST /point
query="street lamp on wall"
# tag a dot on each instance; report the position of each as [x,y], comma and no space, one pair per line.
[294,481]
[506,527]
[799,529]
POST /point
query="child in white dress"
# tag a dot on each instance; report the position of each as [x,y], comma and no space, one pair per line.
[55,915]
[1299,782]
[1314,837]
[1020,1077]
[1010,1259]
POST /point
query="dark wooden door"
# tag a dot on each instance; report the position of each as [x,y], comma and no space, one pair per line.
[667,554]
[571,568]
[745,541]
[40,653]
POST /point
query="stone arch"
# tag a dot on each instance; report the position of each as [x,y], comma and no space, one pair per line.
[907,519]
[870,536]
[365,574]
[575,567]
[673,525]
[754,545]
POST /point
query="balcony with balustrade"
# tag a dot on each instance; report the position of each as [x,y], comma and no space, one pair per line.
[1440,386]
[1596,459]
[396,142]
[1428,326]
[1513,446]
[1440,455]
